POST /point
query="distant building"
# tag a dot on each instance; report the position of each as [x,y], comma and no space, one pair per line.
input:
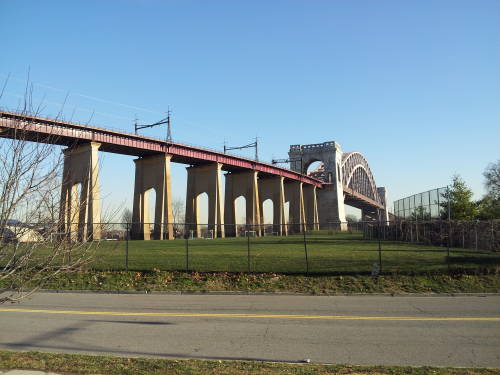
[12,233]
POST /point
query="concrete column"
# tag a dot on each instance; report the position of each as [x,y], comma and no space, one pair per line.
[80,209]
[152,172]
[242,184]
[295,195]
[384,214]
[205,179]
[273,188]
[311,207]
[192,215]
[331,198]
[332,208]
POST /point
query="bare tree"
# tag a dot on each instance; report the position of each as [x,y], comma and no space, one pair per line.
[178,210]
[127,217]
[178,213]
[32,249]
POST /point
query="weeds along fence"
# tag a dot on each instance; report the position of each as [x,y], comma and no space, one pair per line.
[472,235]
[333,249]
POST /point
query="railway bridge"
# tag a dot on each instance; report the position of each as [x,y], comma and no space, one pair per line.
[315,200]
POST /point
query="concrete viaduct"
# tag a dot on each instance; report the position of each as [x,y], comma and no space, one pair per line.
[315,200]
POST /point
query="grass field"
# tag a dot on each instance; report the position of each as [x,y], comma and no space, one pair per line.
[336,254]
[327,254]
[338,263]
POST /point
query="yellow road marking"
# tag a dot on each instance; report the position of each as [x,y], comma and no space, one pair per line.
[251,316]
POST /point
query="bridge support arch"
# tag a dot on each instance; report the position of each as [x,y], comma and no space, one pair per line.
[331,210]
[311,207]
[273,188]
[242,184]
[80,210]
[384,214]
[152,172]
[294,193]
[205,179]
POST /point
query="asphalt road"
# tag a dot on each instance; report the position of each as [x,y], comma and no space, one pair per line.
[365,330]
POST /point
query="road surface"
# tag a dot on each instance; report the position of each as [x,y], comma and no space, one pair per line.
[361,330]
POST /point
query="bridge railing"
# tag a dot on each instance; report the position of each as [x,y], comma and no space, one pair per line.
[120,133]
[350,248]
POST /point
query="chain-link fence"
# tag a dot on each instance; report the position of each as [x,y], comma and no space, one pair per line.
[337,248]
[471,235]
[422,206]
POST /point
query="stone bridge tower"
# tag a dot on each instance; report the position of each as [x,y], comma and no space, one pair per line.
[331,208]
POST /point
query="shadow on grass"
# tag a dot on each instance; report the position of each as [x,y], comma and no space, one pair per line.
[300,241]
[474,260]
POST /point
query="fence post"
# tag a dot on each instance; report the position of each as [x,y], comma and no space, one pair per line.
[441,231]
[126,246]
[248,251]
[475,234]
[449,237]
[416,229]
[449,226]
[493,247]
[186,245]
[305,251]
[463,237]
[422,225]
[379,248]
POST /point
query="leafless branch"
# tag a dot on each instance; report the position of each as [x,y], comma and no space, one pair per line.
[33,250]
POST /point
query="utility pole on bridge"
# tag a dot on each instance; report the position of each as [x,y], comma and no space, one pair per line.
[166,120]
[253,144]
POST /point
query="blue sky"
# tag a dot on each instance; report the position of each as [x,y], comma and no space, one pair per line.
[413,85]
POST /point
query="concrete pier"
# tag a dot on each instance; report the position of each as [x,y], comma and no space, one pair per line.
[152,173]
[311,207]
[273,188]
[205,179]
[384,214]
[242,184]
[295,196]
[80,208]
[331,210]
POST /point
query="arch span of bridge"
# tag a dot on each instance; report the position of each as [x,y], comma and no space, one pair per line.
[313,202]
[347,179]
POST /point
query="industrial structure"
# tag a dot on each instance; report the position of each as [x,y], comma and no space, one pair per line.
[316,200]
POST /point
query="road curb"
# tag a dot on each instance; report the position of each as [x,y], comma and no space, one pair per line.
[244,293]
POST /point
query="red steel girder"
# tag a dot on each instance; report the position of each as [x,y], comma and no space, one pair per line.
[65,133]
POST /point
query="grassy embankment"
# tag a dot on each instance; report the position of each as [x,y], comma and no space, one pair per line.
[86,364]
[338,263]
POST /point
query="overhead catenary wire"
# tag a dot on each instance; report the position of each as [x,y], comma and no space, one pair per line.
[250,145]
[75,109]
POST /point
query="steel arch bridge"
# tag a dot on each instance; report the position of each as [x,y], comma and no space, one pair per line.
[357,177]
[359,184]
[318,197]
[347,179]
